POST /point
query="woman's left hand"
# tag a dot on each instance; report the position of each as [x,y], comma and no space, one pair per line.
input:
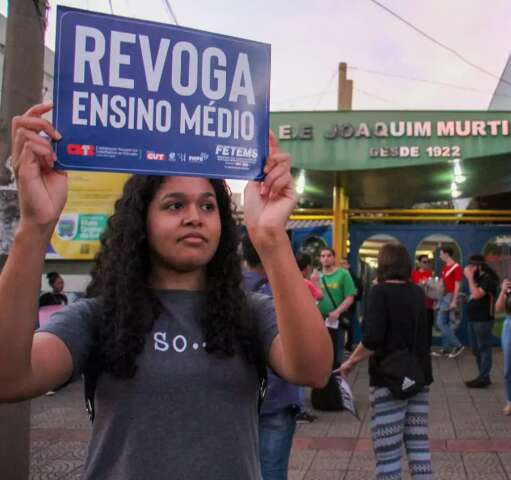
[269,203]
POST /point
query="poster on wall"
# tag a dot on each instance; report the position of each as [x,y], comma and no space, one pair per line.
[89,203]
[145,97]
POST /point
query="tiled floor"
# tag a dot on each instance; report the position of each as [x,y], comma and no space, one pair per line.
[471,439]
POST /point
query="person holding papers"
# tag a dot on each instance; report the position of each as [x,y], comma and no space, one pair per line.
[395,321]
[167,324]
[338,296]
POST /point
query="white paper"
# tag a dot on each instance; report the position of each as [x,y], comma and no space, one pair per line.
[348,399]
[332,323]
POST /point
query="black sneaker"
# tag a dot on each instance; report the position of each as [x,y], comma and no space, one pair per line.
[456,351]
[305,417]
[478,383]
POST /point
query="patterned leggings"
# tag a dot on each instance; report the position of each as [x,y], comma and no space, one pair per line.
[394,421]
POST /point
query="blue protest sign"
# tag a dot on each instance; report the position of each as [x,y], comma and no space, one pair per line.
[149,98]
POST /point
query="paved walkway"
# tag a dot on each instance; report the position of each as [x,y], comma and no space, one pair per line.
[471,439]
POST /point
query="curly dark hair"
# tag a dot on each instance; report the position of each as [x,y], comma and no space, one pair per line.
[120,281]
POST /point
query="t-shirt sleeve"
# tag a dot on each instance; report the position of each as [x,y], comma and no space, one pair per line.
[375,320]
[458,274]
[349,286]
[265,320]
[74,326]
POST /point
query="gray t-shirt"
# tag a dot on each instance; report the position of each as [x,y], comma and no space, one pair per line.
[186,414]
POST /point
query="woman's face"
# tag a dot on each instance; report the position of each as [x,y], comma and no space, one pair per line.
[183,224]
[58,285]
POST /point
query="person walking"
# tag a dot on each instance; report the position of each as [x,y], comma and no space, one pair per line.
[167,323]
[304,262]
[420,277]
[503,304]
[338,296]
[395,318]
[483,283]
[452,276]
[277,418]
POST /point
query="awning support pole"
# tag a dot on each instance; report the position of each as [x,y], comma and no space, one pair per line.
[340,227]
[341,201]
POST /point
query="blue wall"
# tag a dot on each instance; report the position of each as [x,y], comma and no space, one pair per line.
[470,238]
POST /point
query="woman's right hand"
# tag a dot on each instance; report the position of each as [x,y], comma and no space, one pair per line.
[42,190]
[506,285]
[345,369]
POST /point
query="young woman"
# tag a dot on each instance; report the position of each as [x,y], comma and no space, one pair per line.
[55,297]
[166,316]
[504,305]
[395,306]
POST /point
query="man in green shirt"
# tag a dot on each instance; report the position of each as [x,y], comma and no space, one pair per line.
[338,296]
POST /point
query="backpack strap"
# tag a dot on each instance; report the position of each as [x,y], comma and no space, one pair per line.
[332,301]
[258,355]
[450,270]
[254,354]
[90,380]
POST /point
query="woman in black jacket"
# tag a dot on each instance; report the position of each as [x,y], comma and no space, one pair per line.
[395,306]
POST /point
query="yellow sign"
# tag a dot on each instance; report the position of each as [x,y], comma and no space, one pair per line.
[90,202]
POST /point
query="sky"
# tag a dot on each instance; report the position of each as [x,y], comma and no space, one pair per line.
[309,39]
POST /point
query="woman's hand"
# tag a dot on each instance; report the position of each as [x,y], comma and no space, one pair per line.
[346,368]
[42,190]
[268,204]
[506,285]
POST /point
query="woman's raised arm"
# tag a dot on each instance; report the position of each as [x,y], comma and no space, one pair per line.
[31,366]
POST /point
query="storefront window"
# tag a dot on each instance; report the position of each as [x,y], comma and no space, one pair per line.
[430,246]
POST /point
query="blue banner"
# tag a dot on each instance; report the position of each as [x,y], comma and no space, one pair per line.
[149,98]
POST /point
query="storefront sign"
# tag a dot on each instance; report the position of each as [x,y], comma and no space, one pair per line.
[365,140]
[143,97]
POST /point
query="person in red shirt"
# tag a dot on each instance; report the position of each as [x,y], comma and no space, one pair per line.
[420,276]
[304,262]
[452,276]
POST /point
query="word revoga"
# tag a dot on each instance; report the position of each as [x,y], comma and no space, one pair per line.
[125,111]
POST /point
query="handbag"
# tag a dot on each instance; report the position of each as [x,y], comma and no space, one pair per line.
[434,288]
[343,321]
[401,372]
[328,398]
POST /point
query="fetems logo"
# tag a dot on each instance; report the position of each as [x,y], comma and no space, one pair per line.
[81,150]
